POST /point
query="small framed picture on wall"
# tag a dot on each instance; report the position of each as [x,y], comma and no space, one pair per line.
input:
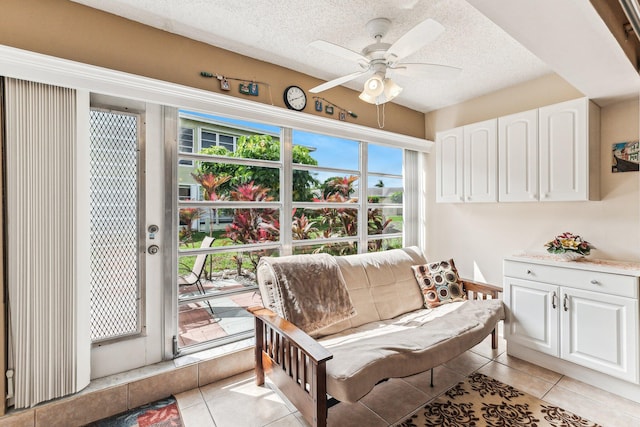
[625,157]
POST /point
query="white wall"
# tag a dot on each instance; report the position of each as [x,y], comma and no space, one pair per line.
[478,236]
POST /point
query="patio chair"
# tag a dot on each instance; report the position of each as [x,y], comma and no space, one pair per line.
[194,277]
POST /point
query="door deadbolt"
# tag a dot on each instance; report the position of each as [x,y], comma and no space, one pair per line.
[153,249]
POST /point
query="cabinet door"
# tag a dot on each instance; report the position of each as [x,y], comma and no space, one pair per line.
[600,331]
[532,314]
[518,157]
[480,162]
[449,166]
[564,146]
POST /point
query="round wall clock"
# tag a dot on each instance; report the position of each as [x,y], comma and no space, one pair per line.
[295,98]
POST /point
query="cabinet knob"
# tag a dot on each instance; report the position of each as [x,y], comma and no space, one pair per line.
[529,272]
[545,195]
[595,282]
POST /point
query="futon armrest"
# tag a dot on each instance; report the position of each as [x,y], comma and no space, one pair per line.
[294,334]
[483,288]
[295,363]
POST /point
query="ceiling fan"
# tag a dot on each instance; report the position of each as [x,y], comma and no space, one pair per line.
[382,59]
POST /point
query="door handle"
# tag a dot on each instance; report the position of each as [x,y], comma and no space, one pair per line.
[565,302]
[554,298]
[153,249]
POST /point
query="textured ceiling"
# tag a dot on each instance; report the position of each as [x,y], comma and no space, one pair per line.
[279,32]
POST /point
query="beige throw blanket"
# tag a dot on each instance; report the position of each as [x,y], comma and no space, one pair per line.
[307,290]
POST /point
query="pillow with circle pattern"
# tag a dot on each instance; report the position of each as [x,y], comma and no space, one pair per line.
[439,283]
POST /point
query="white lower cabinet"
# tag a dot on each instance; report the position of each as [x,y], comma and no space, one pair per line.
[600,332]
[575,313]
[534,315]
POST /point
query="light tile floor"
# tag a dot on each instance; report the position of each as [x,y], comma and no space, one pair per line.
[238,402]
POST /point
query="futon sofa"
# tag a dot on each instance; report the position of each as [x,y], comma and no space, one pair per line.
[339,325]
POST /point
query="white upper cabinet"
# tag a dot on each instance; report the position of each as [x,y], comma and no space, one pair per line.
[569,147]
[449,166]
[466,162]
[518,157]
[481,162]
[548,154]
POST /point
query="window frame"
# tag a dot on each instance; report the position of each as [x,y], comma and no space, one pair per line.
[286,245]
[285,204]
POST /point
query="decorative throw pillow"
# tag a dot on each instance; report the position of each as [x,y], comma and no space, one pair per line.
[439,282]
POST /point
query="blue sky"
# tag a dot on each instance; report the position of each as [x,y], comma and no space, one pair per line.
[331,151]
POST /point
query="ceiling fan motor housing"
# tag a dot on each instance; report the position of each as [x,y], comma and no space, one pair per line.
[378,27]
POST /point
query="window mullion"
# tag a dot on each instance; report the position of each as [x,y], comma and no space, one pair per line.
[286,190]
[362,199]
[412,228]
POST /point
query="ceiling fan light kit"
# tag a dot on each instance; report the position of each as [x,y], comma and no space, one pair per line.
[374,86]
[367,98]
[385,91]
[391,89]
[381,59]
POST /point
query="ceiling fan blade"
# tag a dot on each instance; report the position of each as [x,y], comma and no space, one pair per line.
[423,33]
[337,82]
[432,71]
[337,50]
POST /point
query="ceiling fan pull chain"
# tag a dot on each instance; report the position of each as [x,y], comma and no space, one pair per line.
[381,126]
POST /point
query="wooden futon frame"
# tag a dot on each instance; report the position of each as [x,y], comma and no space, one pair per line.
[296,363]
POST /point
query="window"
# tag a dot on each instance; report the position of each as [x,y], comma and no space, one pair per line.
[210,139]
[184,192]
[185,144]
[340,196]
[385,192]
[227,141]
[325,193]
[236,200]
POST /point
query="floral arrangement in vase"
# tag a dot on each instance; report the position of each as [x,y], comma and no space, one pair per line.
[569,245]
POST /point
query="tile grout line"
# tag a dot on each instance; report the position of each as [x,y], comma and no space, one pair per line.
[431,399]
[556,384]
[593,399]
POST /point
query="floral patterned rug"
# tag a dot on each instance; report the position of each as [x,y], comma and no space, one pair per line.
[163,413]
[482,401]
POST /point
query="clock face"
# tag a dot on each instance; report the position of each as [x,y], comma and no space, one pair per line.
[295,98]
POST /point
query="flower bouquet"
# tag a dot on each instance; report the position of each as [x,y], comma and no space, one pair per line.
[569,246]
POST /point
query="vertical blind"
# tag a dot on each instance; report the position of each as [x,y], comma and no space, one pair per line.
[41,130]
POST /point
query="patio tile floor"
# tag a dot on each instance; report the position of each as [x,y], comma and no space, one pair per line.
[196,324]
